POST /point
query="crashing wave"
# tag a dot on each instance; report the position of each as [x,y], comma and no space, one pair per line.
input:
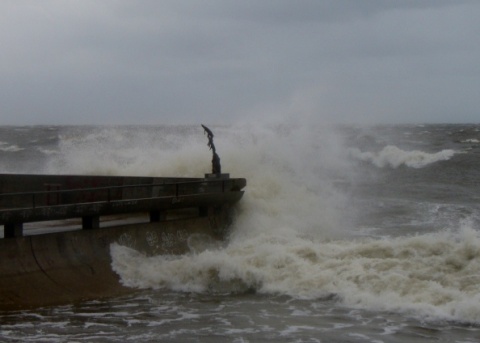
[392,156]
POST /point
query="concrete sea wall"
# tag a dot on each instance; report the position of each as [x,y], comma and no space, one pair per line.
[66,267]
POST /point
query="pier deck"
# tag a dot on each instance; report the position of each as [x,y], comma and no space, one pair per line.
[36,198]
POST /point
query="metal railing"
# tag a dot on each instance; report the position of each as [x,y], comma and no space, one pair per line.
[37,199]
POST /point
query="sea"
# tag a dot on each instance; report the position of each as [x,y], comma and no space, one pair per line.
[346,233]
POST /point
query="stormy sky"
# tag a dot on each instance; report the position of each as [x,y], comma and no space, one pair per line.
[218,61]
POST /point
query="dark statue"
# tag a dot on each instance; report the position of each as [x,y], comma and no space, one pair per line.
[216,167]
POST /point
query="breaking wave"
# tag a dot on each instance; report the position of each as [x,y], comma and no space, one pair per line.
[10,148]
[429,276]
[392,156]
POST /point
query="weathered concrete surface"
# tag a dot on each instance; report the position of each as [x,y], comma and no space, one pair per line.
[73,266]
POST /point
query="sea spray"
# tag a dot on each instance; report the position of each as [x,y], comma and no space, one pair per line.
[133,151]
[291,169]
[292,172]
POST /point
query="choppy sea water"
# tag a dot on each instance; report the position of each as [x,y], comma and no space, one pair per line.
[184,317]
[345,234]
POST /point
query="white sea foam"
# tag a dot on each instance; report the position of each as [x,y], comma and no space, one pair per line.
[471,140]
[394,157]
[10,148]
[433,275]
[47,151]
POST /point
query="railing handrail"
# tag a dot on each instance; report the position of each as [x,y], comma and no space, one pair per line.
[109,189]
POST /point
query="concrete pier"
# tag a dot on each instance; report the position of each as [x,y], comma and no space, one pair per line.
[64,267]
[32,198]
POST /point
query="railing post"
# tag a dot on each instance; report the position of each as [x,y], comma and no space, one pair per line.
[12,230]
[90,222]
[157,216]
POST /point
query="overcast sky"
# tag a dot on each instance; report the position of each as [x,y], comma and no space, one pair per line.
[216,61]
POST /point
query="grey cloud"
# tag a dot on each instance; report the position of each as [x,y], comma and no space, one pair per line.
[181,61]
